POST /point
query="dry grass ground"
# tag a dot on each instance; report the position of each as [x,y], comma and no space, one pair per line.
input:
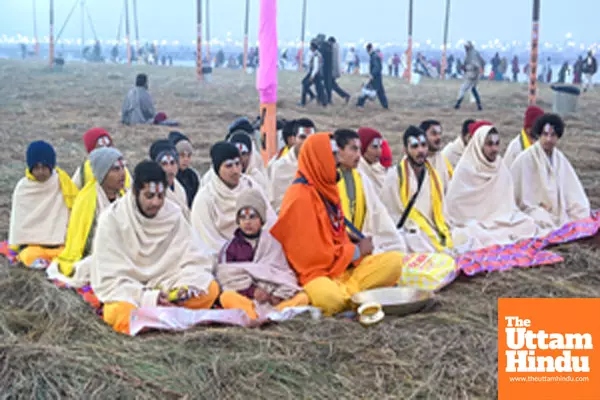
[52,345]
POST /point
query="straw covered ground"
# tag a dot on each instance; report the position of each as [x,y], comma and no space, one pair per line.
[52,345]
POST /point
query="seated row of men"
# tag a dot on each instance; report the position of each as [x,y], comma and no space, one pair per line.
[147,246]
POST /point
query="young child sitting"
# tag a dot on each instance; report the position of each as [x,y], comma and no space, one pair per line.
[252,269]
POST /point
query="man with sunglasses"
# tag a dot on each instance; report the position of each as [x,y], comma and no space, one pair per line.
[433,131]
[371,146]
[214,209]
[546,184]
[165,154]
[480,204]
[413,195]
[283,171]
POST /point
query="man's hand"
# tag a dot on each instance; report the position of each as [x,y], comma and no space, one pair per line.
[365,246]
[163,300]
[261,296]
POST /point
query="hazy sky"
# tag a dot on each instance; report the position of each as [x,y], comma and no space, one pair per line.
[348,20]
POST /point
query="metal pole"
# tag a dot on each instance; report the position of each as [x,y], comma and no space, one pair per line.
[199,39]
[533,61]
[136,26]
[127,36]
[35,33]
[208,32]
[82,5]
[246,23]
[446,23]
[301,56]
[410,32]
[51,38]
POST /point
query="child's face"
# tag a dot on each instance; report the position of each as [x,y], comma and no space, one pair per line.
[41,172]
[249,221]
[185,159]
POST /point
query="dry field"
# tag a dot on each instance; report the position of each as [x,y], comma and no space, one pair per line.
[52,345]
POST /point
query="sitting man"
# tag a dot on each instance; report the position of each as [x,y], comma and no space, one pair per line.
[433,131]
[243,125]
[369,165]
[41,205]
[107,186]
[546,186]
[252,267]
[187,176]
[165,154]
[284,170]
[243,142]
[525,139]
[138,107]
[413,195]
[312,232]
[214,208]
[455,149]
[95,138]
[361,204]
[479,204]
[146,254]
[288,137]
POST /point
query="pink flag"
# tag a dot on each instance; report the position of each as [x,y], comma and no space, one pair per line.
[266,79]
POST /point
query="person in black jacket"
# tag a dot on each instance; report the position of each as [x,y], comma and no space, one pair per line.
[589,68]
[376,78]
[186,175]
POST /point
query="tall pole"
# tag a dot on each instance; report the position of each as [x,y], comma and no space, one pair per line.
[136,26]
[533,61]
[82,5]
[35,33]
[301,53]
[208,31]
[246,23]
[199,39]
[127,36]
[51,37]
[446,22]
[410,33]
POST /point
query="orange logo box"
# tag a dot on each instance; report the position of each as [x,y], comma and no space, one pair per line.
[548,349]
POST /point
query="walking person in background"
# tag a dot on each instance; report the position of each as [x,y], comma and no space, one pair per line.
[577,67]
[473,66]
[326,67]
[515,68]
[396,63]
[589,68]
[336,71]
[313,76]
[376,81]
[350,58]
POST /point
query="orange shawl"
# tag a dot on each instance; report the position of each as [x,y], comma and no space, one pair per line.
[315,242]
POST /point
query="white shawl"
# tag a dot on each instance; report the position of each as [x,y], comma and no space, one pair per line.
[454,150]
[548,190]
[39,214]
[179,197]
[136,257]
[283,172]
[269,270]
[479,204]
[375,172]
[214,210]
[438,162]
[512,151]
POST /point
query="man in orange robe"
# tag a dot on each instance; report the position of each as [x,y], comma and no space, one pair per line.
[331,266]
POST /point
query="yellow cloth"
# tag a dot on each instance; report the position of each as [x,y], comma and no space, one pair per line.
[442,166]
[448,166]
[525,142]
[355,211]
[429,271]
[81,180]
[440,237]
[333,295]
[68,188]
[31,253]
[516,146]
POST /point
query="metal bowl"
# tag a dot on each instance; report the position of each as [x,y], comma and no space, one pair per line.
[395,300]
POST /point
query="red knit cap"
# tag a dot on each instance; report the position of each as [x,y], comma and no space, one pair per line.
[386,154]
[476,125]
[531,114]
[366,137]
[90,138]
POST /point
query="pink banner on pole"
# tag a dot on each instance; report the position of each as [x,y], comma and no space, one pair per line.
[266,79]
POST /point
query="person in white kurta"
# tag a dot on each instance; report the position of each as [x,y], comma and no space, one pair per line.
[546,185]
[371,142]
[433,131]
[214,208]
[479,204]
[424,229]
[525,139]
[454,150]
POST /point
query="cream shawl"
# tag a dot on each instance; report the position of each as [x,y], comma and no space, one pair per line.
[548,189]
[438,162]
[136,257]
[179,197]
[479,203]
[454,150]
[39,213]
[416,240]
[512,151]
[283,173]
[214,210]
[269,270]
[375,172]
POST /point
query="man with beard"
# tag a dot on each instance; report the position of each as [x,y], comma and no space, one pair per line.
[146,254]
[525,139]
[433,131]
[479,203]
[455,149]
[546,186]
[473,66]
[371,144]
[413,195]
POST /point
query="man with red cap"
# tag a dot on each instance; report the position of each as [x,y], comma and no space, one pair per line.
[455,149]
[95,138]
[386,155]
[525,139]
[371,143]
